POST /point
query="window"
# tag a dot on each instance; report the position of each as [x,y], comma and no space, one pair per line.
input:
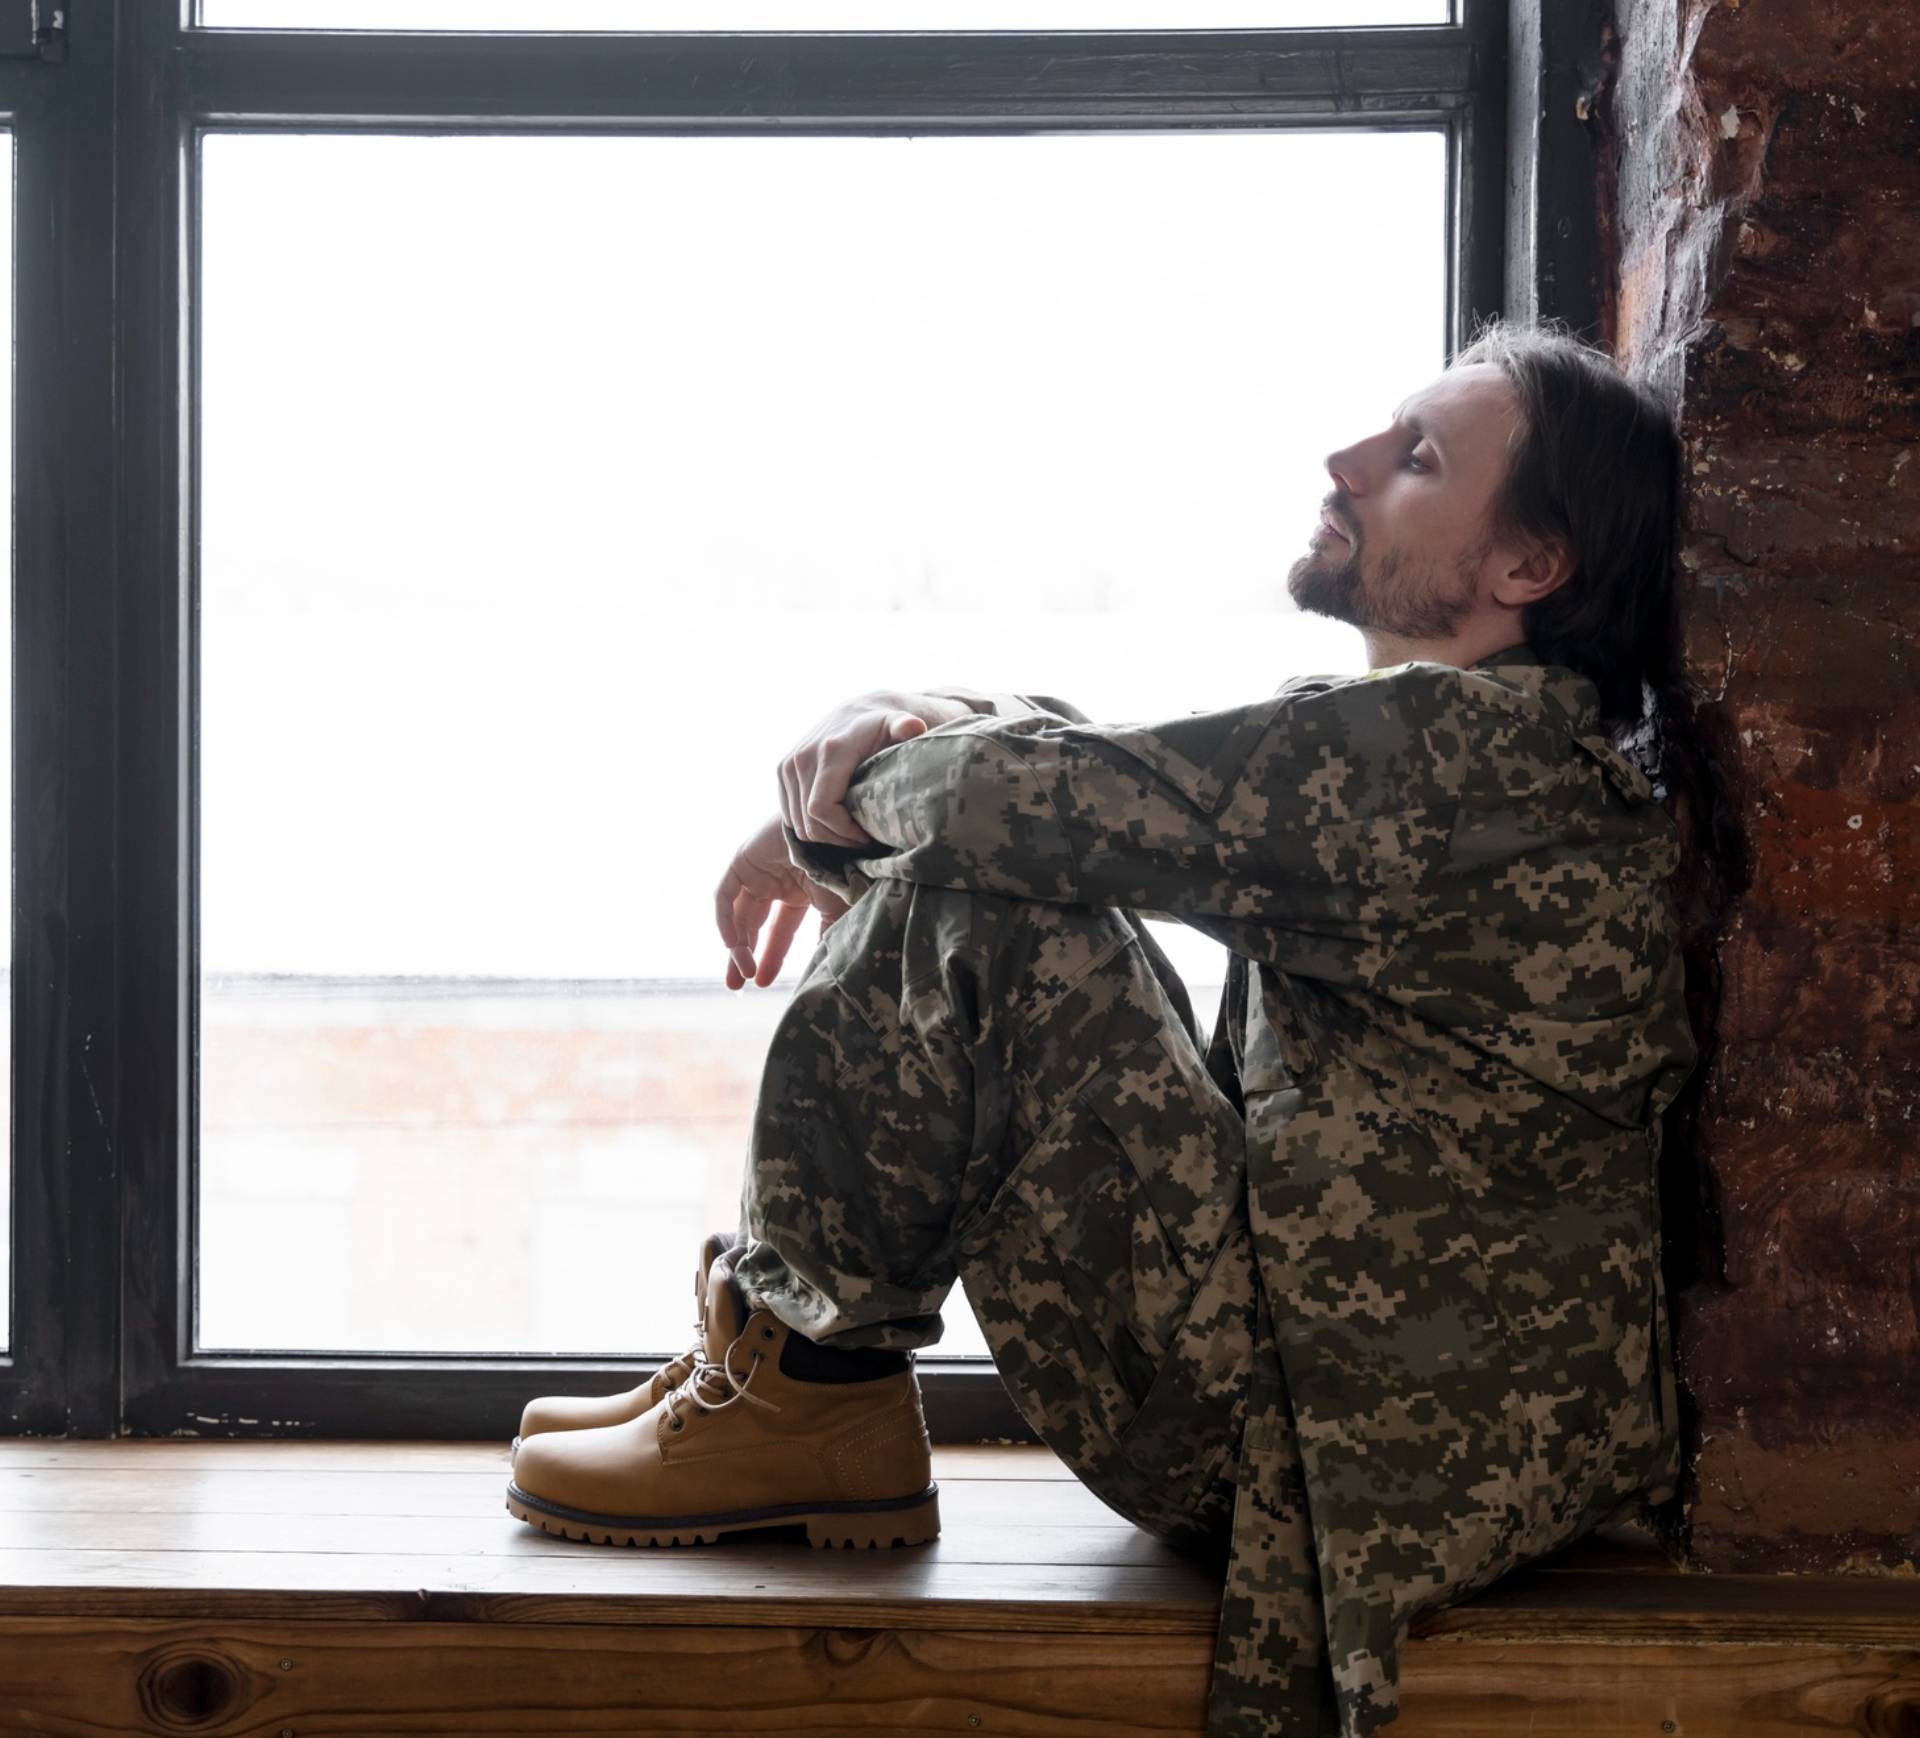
[519,438]
[477,739]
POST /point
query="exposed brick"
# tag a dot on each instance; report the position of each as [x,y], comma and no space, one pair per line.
[1807,1506]
[1811,1215]
[1767,219]
[1871,749]
[1843,48]
[1836,499]
[1782,982]
[1833,853]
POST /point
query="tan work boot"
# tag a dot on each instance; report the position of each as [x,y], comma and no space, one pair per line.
[587,1411]
[769,1430]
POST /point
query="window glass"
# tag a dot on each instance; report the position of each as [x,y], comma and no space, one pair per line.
[551,488]
[549,15]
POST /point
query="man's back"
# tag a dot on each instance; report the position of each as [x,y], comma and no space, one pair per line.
[1452,1094]
[1454,1016]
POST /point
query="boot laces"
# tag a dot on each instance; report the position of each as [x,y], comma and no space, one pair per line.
[713,1387]
[681,1367]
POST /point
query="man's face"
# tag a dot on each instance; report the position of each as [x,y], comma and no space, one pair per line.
[1413,503]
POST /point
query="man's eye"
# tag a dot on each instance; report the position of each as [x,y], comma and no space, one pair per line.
[1416,463]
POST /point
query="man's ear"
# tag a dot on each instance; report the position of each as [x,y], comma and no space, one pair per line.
[1542,567]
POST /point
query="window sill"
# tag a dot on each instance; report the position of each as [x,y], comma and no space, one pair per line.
[214,1586]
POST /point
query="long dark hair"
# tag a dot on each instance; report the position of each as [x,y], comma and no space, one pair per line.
[1600,463]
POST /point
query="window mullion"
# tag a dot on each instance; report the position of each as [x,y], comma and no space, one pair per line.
[1366,77]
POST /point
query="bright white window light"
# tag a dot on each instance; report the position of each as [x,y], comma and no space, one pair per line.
[550,488]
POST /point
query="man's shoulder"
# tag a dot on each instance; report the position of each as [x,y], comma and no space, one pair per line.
[1439,701]
[1516,704]
[1516,685]
[1484,734]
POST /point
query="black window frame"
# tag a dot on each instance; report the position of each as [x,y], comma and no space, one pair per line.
[106,100]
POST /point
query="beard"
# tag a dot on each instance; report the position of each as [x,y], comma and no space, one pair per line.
[1388,596]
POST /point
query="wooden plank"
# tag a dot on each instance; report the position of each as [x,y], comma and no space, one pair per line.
[630,1589]
[958,1461]
[1697,1690]
[366,1678]
[348,1490]
[74,1676]
[161,1584]
[783,1584]
[1568,1605]
[963,1540]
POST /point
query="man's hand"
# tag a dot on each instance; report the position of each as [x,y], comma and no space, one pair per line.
[761,878]
[815,774]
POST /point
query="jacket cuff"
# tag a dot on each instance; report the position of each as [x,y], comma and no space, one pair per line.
[834,867]
[995,704]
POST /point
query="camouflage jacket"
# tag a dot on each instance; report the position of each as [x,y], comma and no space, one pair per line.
[1453,1016]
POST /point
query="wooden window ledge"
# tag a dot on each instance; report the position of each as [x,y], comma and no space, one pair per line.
[287,1588]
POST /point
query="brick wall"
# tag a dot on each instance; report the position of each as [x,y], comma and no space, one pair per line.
[1766,231]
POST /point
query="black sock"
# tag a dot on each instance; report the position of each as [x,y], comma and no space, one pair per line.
[805,1360]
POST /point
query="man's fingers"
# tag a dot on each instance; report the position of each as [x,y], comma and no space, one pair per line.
[786,920]
[749,912]
[830,824]
[792,808]
[723,898]
[827,792]
[827,810]
[739,947]
[843,828]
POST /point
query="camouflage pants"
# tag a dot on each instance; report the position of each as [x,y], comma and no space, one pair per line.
[1009,1091]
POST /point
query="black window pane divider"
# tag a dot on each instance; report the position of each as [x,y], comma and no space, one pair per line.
[1358,77]
[105,985]
[62,1364]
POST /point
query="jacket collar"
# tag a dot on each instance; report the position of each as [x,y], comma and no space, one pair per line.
[1570,697]
[1520,679]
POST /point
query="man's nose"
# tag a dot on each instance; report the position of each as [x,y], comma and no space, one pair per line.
[1344,471]
[1348,467]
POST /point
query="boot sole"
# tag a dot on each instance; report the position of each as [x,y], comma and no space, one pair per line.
[879,1525]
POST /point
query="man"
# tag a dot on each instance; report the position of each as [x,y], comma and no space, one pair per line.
[1367,1296]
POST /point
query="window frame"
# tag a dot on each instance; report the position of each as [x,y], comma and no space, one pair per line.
[106,647]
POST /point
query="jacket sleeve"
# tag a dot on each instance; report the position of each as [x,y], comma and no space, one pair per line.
[993,704]
[1316,814]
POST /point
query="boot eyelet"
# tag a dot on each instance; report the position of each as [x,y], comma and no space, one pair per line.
[678,1424]
[766,1333]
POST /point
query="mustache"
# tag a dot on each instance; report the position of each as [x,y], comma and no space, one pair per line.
[1339,508]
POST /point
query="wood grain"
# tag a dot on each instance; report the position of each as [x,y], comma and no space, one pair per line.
[157,1587]
[463,1678]
[196,1454]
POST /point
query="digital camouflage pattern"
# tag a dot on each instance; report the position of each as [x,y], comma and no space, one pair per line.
[1369,1293]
